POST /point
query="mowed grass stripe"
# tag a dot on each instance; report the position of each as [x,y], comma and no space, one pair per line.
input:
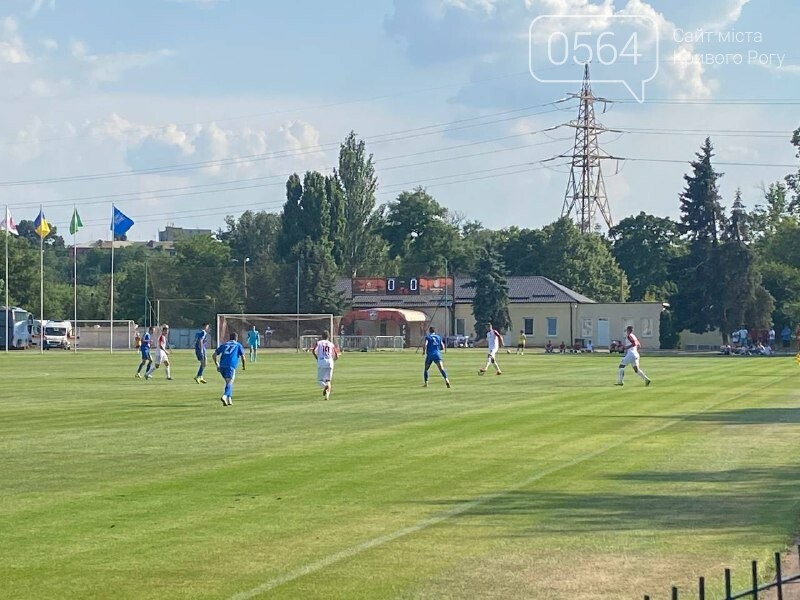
[351,468]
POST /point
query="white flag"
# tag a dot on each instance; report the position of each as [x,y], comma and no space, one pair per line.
[8,224]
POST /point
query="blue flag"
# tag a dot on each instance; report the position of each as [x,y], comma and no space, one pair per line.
[121,223]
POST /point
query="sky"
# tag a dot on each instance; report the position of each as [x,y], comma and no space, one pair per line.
[183,111]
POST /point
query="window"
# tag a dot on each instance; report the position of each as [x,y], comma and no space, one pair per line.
[552,326]
[586,327]
[647,328]
[528,325]
[461,326]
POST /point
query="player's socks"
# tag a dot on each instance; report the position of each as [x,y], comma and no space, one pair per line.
[168,373]
[228,389]
[620,375]
[200,373]
[425,376]
[643,376]
[444,375]
[447,382]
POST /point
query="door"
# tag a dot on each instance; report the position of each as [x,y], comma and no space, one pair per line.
[603,339]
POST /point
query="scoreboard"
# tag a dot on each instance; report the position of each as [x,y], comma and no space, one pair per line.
[401,286]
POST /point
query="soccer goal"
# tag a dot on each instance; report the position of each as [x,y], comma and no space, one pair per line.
[287,331]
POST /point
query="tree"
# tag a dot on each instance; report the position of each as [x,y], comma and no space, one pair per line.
[291,232]
[702,217]
[336,201]
[763,220]
[644,246]
[318,278]
[738,229]
[491,293]
[698,303]
[793,180]
[314,211]
[417,231]
[253,234]
[357,176]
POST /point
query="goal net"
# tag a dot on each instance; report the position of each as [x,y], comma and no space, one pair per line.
[288,331]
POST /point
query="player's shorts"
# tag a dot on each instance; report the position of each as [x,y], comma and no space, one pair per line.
[324,373]
[492,352]
[432,358]
[200,354]
[161,356]
[145,353]
[228,373]
[521,346]
[631,358]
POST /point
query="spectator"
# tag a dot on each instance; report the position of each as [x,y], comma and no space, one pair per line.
[267,336]
[562,348]
[725,350]
[589,347]
[771,337]
[548,347]
[786,336]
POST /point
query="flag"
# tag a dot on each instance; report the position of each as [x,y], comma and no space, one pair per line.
[75,224]
[8,224]
[40,225]
[120,223]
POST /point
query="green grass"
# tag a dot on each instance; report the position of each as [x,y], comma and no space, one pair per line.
[547,482]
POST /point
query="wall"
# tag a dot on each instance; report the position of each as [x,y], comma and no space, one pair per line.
[644,316]
[518,313]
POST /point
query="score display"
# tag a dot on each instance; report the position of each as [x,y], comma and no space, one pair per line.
[402,286]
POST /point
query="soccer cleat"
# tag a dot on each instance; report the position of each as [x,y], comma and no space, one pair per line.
[169,378]
[481,371]
[619,383]
[230,400]
[646,382]
[425,384]
[138,376]
[224,400]
[147,375]
[447,383]
[499,373]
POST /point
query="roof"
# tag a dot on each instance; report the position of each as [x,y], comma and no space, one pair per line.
[527,289]
[385,314]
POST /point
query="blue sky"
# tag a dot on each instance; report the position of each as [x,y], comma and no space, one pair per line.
[97,87]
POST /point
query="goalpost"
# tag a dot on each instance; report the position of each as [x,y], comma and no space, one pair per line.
[287,331]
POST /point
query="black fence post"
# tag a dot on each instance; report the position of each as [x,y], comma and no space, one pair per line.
[701,592]
[727,584]
[674,593]
[778,575]
[754,568]
[646,597]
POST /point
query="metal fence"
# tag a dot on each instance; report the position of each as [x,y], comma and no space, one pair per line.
[754,593]
[368,343]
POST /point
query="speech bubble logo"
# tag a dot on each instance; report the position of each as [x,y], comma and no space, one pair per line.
[622,49]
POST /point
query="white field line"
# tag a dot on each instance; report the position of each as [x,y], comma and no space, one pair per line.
[455,511]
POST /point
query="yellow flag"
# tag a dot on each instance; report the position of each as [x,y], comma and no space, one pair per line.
[41,226]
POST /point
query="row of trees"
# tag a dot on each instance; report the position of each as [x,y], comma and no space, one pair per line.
[716,268]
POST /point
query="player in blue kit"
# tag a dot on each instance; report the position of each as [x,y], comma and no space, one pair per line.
[433,346]
[144,348]
[200,342]
[231,351]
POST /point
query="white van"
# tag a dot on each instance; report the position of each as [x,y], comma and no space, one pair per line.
[58,334]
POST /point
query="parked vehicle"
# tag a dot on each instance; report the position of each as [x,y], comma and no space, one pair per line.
[58,334]
[16,327]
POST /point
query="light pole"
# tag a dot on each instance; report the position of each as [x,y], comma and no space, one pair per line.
[244,265]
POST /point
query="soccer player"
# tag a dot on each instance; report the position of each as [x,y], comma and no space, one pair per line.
[162,356]
[253,340]
[144,348]
[631,357]
[521,341]
[494,341]
[326,354]
[432,346]
[231,352]
[200,343]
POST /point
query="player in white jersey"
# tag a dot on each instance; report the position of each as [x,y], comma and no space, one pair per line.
[162,356]
[494,341]
[631,357]
[326,354]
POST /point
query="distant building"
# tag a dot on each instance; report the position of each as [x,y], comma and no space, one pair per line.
[167,247]
[172,234]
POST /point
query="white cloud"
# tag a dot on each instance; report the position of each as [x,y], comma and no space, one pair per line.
[37,6]
[109,68]
[50,44]
[12,48]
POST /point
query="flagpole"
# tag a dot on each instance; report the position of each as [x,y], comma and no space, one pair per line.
[41,285]
[8,233]
[112,279]
[75,276]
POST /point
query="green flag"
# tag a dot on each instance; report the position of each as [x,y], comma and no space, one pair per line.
[75,223]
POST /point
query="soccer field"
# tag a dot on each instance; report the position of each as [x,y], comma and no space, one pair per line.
[545,482]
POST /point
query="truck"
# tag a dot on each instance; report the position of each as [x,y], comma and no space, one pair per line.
[16,325]
[58,334]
